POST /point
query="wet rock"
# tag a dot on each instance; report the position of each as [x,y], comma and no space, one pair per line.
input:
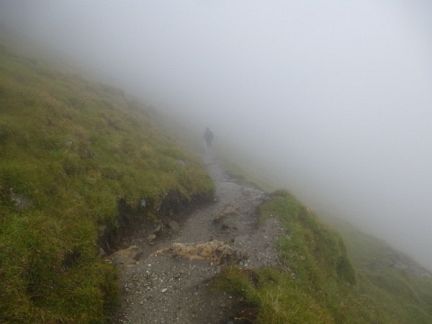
[127,256]
[158,229]
[229,210]
[225,220]
[151,238]
[174,226]
[143,203]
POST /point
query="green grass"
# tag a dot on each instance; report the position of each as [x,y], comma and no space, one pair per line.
[403,293]
[70,151]
[317,282]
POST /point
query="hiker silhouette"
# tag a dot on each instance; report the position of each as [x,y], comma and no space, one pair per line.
[208,137]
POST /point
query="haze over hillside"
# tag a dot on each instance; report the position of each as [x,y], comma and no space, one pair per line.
[332,98]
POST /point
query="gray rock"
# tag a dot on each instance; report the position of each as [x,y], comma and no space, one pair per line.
[143,203]
[157,229]
[174,226]
[127,256]
[151,238]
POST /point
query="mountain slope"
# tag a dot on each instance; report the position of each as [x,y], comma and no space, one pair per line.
[396,283]
[321,281]
[78,161]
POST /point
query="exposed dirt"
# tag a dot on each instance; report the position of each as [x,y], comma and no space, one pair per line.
[165,274]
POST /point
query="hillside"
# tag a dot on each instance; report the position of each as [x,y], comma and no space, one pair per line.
[97,224]
[317,283]
[396,283]
[79,161]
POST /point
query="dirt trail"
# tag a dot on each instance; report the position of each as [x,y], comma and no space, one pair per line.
[167,282]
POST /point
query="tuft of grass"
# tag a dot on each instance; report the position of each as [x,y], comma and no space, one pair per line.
[313,250]
[270,296]
[70,152]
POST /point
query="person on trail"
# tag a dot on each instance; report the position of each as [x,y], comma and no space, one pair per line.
[208,137]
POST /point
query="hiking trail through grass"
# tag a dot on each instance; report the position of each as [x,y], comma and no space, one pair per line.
[166,279]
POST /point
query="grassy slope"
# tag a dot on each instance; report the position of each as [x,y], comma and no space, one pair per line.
[402,288]
[318,284]
[70,150]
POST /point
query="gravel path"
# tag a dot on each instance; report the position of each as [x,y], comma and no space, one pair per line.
[166,288]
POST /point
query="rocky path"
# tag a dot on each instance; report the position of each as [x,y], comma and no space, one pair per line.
[165,280]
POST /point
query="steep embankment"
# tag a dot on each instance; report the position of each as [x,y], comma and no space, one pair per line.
[78,161]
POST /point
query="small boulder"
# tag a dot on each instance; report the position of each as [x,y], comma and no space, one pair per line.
[151,238]
[126,256]
[226,219]
[158,229]
[143,203]
[174,226]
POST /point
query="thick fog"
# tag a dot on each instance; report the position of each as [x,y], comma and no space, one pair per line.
[332,98]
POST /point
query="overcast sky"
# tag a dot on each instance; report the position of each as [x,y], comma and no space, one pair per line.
[332,97]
